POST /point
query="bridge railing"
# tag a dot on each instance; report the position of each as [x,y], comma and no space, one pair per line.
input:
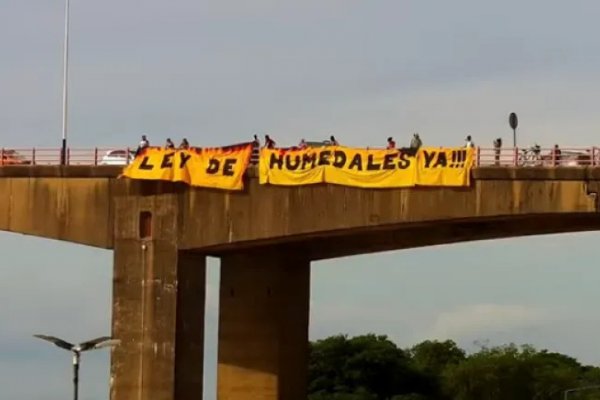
[540,157]
[504,157]
[74,156]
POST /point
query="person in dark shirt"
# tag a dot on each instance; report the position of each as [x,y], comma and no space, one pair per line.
[169,144]
[269,143]
[332,141]
[497,149]
[184,144]
[556,154]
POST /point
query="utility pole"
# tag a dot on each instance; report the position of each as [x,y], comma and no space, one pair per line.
[63,151]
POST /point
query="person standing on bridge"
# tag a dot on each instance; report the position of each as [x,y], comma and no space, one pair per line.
[469,142]
[302,145]
[184,144]
[269,143]
[416,142]
[390,143]
[556,155]
[497,149]
[144,143]
[332,141]
[255,155]
[169,145]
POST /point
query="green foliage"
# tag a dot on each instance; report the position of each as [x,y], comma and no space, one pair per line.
[434,357]
[363,366]
[372,367]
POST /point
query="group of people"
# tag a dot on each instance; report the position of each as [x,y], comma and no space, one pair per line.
[415,143]
[533,153]
[144,143]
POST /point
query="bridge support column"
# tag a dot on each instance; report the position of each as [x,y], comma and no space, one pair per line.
[158,310]
[263,326]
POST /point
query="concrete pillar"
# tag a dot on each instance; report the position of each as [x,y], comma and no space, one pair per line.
[158,309]
[263,326]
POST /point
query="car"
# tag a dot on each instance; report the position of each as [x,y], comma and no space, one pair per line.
[117,157]
[317,144]
[12,157]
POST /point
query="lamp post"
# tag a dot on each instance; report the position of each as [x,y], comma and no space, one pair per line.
[566,392]
[63,151]
[77,349]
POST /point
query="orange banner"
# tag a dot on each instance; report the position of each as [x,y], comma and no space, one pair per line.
[217,167]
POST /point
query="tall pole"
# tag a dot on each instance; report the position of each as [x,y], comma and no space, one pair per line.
[75,375]
[63,152]
[515,137]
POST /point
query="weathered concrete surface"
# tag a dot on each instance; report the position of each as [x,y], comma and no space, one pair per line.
[263,325]
[77,204]
[158,308]
[267,214]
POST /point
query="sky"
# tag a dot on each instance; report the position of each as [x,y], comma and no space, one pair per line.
[218,72]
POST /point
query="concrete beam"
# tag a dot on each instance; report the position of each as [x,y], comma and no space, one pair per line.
[263,325]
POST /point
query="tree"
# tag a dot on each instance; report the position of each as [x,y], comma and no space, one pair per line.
[433,356]
[509,372]
[364,365]
[372,367]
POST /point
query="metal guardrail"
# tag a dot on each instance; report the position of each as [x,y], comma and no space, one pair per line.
[538,157]
[74,156]
[504,157]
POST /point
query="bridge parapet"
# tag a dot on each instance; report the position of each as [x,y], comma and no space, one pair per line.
[485,156]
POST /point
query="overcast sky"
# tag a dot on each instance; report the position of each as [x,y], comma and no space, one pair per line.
[219,71]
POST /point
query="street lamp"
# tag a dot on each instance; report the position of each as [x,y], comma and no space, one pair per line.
[566,392]
[513,122]
[77,349]
[63,151]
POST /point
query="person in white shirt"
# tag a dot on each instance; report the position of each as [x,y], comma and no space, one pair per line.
[469,142]
[143,144]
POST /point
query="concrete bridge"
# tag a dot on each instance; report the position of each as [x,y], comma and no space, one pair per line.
[266,237]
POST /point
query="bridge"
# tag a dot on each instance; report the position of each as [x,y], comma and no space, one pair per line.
[266,237]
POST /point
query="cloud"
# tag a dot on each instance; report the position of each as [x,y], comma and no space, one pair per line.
[483,319]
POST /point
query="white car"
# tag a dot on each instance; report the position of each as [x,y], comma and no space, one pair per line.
[117,157]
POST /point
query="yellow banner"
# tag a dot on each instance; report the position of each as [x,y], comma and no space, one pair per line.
[366,168]
[220,168]
[444,166]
